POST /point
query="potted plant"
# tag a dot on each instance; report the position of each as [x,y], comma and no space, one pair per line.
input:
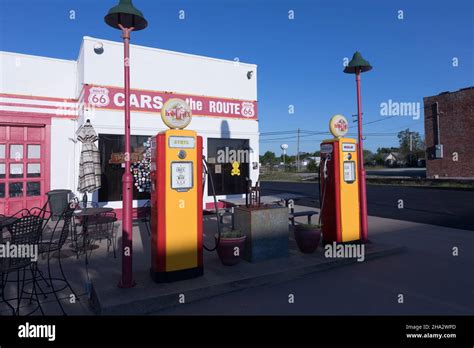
[307,237]
[230,247]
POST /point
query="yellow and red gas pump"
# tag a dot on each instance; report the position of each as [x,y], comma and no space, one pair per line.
[176,197]
[340,212]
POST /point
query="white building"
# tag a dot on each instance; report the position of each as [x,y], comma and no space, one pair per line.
[45,101]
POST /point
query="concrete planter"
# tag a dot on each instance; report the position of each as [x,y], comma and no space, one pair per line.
[307,237]
[266,229]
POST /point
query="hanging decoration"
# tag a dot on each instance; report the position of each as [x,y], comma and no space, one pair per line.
[141,169]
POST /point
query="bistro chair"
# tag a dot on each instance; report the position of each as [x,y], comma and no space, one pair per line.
[25,230]
[52,244]
[101,227]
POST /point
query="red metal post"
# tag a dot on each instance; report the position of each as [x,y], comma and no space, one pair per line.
[364,229]
[127,179]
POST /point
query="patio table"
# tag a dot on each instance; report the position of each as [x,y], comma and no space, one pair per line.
[85,214]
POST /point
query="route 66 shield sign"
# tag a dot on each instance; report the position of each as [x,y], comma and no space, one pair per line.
[248,109]
[99,96]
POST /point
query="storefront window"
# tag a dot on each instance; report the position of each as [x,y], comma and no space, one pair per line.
[228,164]
[34,170]
[16,152]
[16,170]
[112,162]
[2,190]
[34,151]
[33,189]
[16,189]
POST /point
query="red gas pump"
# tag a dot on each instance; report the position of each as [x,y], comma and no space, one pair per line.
[340,214]
[176,198]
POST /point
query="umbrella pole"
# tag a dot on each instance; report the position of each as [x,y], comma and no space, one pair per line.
[127,179]
[84,200]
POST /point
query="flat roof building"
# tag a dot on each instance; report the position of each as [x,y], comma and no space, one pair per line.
[44,102]
[449,130]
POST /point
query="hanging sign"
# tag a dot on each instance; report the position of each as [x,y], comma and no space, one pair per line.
[338,126]
[176,113]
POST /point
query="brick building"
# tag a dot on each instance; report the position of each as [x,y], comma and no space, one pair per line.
[449,134]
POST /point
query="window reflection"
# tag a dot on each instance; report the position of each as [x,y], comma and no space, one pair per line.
[16,189]
[111,158]
[33,189]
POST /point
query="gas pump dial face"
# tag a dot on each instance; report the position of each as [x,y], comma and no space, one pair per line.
[182,154]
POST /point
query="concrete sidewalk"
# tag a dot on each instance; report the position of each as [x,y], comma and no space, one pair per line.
[149,297]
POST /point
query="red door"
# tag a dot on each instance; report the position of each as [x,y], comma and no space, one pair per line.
[24,167]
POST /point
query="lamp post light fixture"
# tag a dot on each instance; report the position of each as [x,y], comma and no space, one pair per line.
[356,66]
[126,18]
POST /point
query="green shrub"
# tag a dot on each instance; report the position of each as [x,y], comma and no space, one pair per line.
[231,234]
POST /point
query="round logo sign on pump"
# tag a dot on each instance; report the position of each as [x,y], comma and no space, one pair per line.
[338,126]
[176,113]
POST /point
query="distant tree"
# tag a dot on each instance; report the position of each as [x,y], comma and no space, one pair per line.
[412,147]
[268,158]
[368,157]
[312,166]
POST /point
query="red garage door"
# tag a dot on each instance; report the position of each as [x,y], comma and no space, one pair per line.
[24,167]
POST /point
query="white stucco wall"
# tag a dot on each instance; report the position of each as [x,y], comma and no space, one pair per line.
[161,70]
[65,154]
[37,76]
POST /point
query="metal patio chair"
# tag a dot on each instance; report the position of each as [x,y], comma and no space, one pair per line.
[51,244]
[24,231]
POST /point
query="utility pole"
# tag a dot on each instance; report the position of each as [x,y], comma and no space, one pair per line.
[298,152]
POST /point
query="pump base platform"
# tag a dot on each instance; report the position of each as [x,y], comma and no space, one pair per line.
[149,297]
[166,277]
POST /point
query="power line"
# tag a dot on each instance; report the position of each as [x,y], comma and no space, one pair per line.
[317,131]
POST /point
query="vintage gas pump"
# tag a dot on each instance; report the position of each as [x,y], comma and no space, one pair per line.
[176,197]
[340,216]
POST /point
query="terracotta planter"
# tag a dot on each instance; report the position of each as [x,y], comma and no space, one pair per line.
[226,250]
[307,238]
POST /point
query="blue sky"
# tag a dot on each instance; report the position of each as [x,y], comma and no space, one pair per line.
[300,61]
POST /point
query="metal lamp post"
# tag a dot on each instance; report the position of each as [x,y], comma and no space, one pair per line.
[127,18]
[357,66]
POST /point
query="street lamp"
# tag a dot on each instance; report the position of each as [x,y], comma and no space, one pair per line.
[127,18]
[356,66]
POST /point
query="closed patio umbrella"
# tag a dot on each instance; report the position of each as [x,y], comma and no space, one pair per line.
[89,164]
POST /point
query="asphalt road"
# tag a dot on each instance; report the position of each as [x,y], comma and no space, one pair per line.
[431,280]
[443,207]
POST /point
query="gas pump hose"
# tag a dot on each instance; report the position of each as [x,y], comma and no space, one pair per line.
[206,169]
[321,199]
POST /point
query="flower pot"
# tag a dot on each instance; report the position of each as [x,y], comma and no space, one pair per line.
[227,250]
[307,237]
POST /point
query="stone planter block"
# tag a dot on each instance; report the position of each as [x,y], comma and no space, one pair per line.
[266,229]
